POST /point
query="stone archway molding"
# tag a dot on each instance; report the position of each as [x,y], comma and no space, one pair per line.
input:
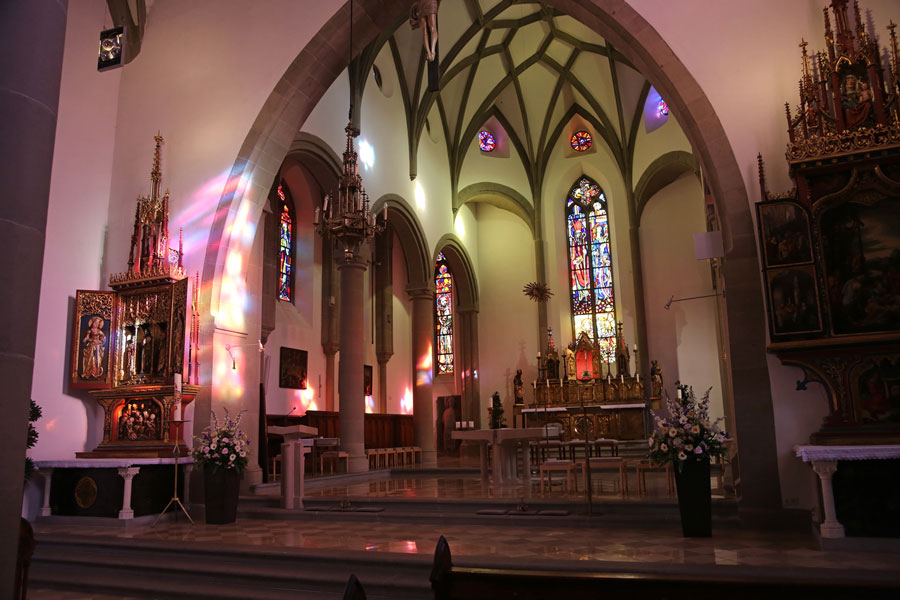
[403,221]
[499,195]
[661,172]
[320,63]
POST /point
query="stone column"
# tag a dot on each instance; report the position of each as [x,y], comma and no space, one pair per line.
[467,319]
[384,313]
[330,322]
[47,474]
[830,527]
[127,473]
[350,370]
[32,36]
[422,355]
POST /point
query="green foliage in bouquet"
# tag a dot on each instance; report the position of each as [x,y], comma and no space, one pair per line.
[222,445]
[687,433]
[33,415]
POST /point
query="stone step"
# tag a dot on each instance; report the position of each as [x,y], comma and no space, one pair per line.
[146,568]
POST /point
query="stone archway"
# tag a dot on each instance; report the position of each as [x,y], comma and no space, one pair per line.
[317,66]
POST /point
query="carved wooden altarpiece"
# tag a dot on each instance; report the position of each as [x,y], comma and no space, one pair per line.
[831,246]
[128,344]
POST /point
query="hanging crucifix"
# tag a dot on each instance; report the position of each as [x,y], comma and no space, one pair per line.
[423,13]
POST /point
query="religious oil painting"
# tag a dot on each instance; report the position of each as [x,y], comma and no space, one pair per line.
[861,246]
[876,390]
[292,368]
[92,339]
[794,301]
[785,233]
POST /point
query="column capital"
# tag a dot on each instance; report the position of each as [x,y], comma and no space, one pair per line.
[824,468]
[128,472]
[356,262]
[420,292]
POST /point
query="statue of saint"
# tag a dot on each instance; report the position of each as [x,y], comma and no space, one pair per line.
[423,13]
[518,389]
[656,379]
[147,352]
[496,410]
[93,350]
[570,364]
[128,355]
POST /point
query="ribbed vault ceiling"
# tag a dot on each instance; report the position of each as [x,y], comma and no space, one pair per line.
[538,72]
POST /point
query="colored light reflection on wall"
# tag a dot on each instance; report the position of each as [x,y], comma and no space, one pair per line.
[228,372]
[370,404]
[459,226]
[233,296]
[304,400]
[424,368]
[406,403]
[366,154]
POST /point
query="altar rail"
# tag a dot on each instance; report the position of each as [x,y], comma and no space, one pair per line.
[464,583]
[381,430]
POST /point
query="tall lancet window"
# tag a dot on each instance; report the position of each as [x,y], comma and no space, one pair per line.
[590,265]
[286,246]
[443,305]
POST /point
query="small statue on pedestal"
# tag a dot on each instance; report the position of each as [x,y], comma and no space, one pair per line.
[656,379]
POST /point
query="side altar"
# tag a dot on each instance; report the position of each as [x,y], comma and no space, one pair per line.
[128,344]
[579,398]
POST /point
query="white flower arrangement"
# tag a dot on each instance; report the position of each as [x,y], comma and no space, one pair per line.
[222,446]
[687,432]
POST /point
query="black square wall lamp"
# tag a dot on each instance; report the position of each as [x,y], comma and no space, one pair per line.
[112,49]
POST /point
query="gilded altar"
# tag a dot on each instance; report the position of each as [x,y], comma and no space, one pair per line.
[128,344]
[583,393]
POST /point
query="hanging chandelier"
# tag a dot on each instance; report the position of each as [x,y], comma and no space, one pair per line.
[345,216]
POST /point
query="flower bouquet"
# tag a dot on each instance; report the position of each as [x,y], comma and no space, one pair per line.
[687,438]
[222,445]
[221,452]
[687,433]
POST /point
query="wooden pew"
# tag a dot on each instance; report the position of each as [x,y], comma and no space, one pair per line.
[466,583]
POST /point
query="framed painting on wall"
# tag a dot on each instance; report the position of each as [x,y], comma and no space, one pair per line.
[292,368]
[785,234]
[92,338]
[793,301]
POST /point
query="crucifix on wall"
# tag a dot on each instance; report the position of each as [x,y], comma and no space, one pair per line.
[423,13]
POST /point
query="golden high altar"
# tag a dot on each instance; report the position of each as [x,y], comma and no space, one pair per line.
[576,396]
[128,344]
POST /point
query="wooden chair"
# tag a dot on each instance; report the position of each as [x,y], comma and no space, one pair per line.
[276,462]
[601,443]
[372,457]
[566,466]
[606,461]
[333,457]
[417,455]
[645,465]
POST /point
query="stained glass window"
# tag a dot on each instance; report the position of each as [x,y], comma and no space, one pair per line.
[443,305]
[486,141]
[581,141]
[590,266]
[662,109]
[286,247]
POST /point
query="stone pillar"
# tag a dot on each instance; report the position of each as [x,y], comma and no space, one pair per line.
[384,313]
[329,378]
[32,36]
[330,322]
[467,319]
[47,474]
[422,355]
[830,527]
[127,473]
[350,370]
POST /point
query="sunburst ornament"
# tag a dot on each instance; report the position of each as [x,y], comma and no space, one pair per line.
[539,292]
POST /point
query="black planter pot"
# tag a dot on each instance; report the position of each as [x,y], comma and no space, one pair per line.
[694,497]
[220,490]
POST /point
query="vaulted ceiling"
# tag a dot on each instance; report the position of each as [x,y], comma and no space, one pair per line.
[536,71]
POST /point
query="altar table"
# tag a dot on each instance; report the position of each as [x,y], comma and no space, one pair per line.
[504,443]
[824,461]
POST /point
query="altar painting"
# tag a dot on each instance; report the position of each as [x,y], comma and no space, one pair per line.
[91,339]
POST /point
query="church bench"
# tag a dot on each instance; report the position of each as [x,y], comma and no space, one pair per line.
[449,582]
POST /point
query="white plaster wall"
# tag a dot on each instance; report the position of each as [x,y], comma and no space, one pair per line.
[76,232]
[683,339]
[298,323]
[507,320]
[562,172]
[399,367]
[650,146]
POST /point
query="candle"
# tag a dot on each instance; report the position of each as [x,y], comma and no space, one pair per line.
[635,347]
[178,406]
[621,378]
[316,216]
[607,379]
[539,356]
[679,393]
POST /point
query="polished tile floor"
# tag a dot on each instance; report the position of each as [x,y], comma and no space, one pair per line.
[533,545]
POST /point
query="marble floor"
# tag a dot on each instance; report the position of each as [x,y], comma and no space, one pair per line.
[532,545]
